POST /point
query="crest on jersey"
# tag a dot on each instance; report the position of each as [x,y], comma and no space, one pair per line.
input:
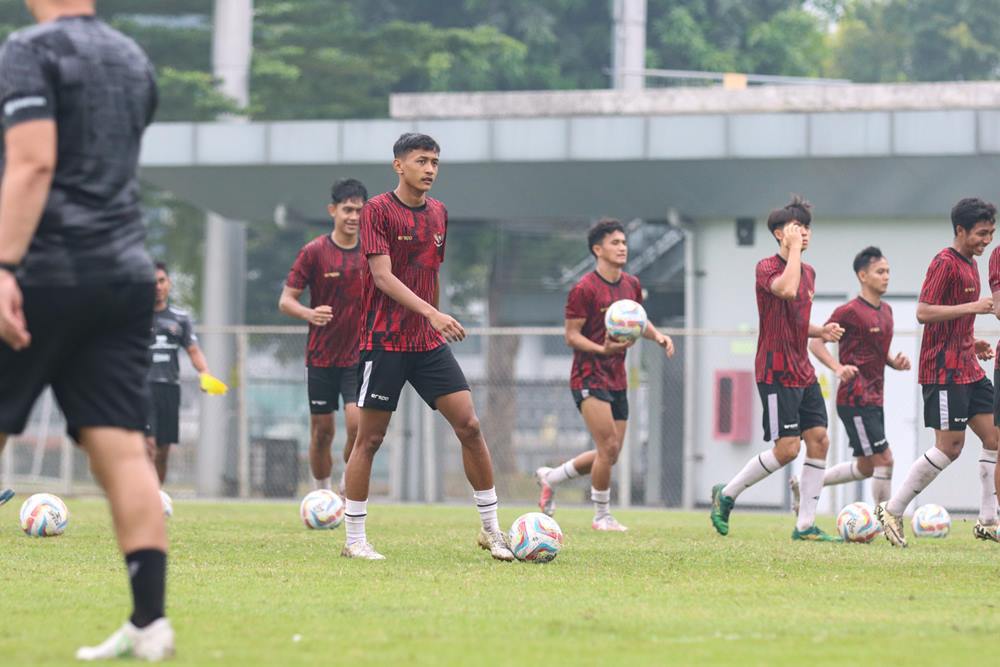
[439,240]
[332,274]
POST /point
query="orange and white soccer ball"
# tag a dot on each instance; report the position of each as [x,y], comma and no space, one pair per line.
[44,515]
[535,537]
[931,520]
[322,508]
[625,320]
[856,523]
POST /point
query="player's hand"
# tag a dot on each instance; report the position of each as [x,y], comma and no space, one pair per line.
[901,362]
[832,332]
[447,326]
[984,306]
[612,346]
[984,350]
[667,344]
[792,237]
[320,316]
[13,325]
[847,372]
[212,385]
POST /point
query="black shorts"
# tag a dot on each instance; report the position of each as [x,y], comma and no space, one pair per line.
[328,385]
[789,411]
[617,398]
[164,413]
[91,344]
[865,428]
[382,375]
[948,407]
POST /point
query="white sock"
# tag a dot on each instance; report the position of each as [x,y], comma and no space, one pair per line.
[321,483]
[602,502]
[355,512]
[842,473]
[562,473]
[922,472]
[881,484]
[487,503]
[755,470]
[988,504]
[811,484]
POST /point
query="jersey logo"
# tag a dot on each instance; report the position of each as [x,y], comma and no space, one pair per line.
[811,294]
[403,237]
[332,274]
[970,289]
[439,240]
[13,106]
[875,330]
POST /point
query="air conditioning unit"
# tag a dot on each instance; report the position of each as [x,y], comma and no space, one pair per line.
[733,405]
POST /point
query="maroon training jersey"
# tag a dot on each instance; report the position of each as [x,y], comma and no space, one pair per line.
[783,338]
[587,301]
[414,239]
[994,271]
[866,341]
[333,276]
[947,351]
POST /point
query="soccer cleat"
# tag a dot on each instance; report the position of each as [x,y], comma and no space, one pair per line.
[987,532]
[608,523]
[722,505]
[496,543]
[362,549]
[153,643]
[6,495]
[793,486]
[546,499]
[892,526]
[814,534]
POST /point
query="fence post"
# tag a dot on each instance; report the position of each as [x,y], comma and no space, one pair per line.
[242,414]
[634,370]
[66,465]
[690,450]
[397,450]
[656,403]
[8,463]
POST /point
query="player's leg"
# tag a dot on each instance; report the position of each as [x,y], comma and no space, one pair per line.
[986,523]
[349,392]
[880,464]
[322,404]
[5,494]
[813,470]
[548,478]
[596,411]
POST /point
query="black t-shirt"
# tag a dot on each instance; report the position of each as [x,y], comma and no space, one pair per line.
[100,89]
[172,331]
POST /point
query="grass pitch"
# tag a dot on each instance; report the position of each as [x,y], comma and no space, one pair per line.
[249,585]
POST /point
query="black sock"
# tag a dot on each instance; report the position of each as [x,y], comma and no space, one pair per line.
[147,571]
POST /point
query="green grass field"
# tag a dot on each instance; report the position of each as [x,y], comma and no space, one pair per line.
[247,578]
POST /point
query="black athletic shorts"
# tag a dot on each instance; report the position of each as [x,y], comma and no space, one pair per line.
[948,407]
[328,385]
[382,375]
[91,344]
[617,398]
[164,413]
[865,428]
[789,411]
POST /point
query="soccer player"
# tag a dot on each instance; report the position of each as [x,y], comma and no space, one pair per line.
[864,354]
[598,378]
[404,339]
[330,266]
[793,403]
[956,391]
[76,284]
[172,331]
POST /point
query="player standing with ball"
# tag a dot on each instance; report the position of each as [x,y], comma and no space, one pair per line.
[598,378]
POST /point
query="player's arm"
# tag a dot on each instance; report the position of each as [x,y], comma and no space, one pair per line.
[843,371]
[576,340]
[996,304]
[289,304]
[197,358]
[830,332]
[387,282]
[898,361]
[929,313]
[786,286]
[661,339]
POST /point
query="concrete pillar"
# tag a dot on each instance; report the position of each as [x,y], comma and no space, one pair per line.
[628,44]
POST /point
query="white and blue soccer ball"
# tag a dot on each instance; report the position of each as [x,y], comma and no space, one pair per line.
[44,515]
[535,537]
[625,320]
[322,508]
[931,521]
[856,523]
[168,504]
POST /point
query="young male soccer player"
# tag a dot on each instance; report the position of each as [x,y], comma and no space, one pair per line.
[330,266]
[404,336]
[76,284]
[864,354]
[956,391]
[598,378]
[172,331]
[793,403]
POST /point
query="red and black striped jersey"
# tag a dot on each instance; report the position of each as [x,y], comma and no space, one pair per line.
[994,275]
[866,341]
[783,335]
[414,240]
[333,276]
[947,351]
[588,300]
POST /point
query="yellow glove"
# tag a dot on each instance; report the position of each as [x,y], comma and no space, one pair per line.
[212,385]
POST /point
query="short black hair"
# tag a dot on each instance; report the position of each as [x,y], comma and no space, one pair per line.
[603,227]
[161,266]
[798,209]
[864,258]
[414,141]
[348,188]
[967,212]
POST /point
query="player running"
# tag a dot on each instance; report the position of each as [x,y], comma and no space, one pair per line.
[76,284]
[864,354]
[956,391]
[598,378]
[794,409]
[404,339]
[330,267]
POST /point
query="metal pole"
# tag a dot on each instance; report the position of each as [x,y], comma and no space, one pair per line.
[8,463]
[243,416]
[657,427]
[690,375]
[631,444]
[232,45]
[628,45]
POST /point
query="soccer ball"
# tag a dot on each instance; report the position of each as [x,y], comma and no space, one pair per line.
[168,504]
[44,515]
[625,320]
[856,523]
[535,537]
[931,521]
[322,508]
